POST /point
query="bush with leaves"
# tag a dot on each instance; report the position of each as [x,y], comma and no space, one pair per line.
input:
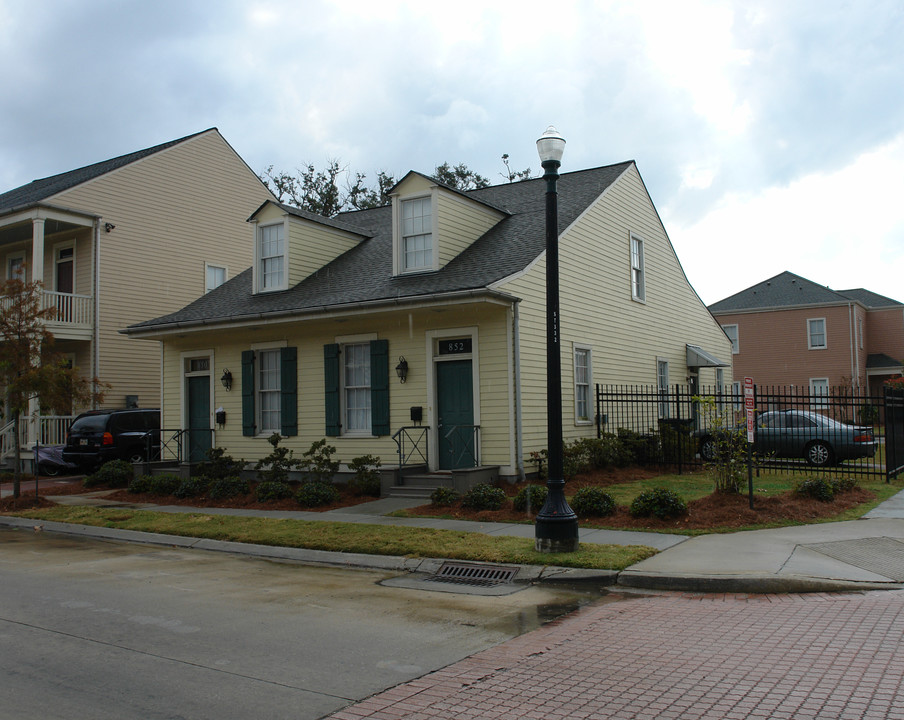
[658,502]
[530,498]
[483,497]
[114,474]
[191,487]
[592,502]
[316,494]
[642,448]
[818,488]
[275,467]
[367,480]
[219,465]
[228,487]
[444,496]
[271,490]
[541,457]
[164,484]
[724,448]
[317,463]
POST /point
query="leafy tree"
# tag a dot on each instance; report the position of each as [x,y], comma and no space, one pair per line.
[514,175]
[30,367]
[460,177]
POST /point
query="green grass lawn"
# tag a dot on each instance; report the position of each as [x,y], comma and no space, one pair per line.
[346,537]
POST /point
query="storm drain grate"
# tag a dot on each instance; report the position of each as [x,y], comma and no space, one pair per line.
[477,575]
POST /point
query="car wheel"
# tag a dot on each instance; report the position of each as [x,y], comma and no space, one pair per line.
[49,470]
[136,457]
[709,450]
[819,454]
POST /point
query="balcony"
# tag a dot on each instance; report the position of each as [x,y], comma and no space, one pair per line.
[73,318]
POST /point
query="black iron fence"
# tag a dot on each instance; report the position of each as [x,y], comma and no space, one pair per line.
[835,429]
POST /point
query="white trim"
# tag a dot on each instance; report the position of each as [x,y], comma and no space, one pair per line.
[63,245]
[207,266]
[272,345]
[575,347]
[662,386]
[641,295]
[258,280]
[17,254]
[398,264]
[824,382]
[825,334]
[184,357]
[342,341]
[736,342]
[431,360]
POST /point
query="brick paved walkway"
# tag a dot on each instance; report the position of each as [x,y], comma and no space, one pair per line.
[669,656]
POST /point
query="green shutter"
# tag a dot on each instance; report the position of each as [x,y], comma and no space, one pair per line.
[379,387]
[288,391]
[331,389]
[248,425]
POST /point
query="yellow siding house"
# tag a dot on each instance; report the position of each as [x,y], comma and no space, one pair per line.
[416,331]
[141,234]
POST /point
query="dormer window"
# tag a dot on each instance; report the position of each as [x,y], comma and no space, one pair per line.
[271,252]
[417,235]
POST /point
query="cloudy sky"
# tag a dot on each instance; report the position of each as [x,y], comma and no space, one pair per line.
[770,134]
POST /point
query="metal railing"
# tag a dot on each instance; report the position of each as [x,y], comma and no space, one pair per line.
[412,442]
[178,445]
[50,430]
[837,430]
[461,443]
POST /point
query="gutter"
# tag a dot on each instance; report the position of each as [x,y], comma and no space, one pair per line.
[322,311]
[95,342]
[516,360]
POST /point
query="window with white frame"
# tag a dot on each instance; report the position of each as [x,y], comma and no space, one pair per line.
[737,395]
[732,332]
[215,275]
[583,372]
[416,251]
[662,381]
[15,267]
[268,391]
[819,392]
[816,333]
[356,388]
[271,258]
[638,282]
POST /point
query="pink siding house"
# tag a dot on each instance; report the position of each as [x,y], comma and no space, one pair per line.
[790,331]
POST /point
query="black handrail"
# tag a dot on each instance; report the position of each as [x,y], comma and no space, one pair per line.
[419,433]
[469,443]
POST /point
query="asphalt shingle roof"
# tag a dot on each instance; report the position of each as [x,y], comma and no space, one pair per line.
[790,290]
[41,189]
[364,273]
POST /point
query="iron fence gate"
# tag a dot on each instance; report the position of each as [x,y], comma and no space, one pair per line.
[795,430]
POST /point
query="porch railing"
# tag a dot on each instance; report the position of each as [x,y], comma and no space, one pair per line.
[49,430]
[70,309]
[462,442]
[411,442]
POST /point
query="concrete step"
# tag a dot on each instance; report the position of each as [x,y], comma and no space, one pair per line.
[410,491]
[431,480]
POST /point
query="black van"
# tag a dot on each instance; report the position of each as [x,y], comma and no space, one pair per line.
[101,435]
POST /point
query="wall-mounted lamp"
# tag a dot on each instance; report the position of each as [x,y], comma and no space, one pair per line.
[227,379]
[109,226]
[402,369]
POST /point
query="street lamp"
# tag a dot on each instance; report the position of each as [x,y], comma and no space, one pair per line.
[556,529]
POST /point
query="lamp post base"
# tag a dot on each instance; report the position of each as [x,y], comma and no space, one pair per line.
[556,535]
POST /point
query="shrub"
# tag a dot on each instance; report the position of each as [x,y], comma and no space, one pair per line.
[724,451]
[540,457]
[658,502]
[641,448]
[275,467]
[484,497]
[191,487]
[140,485]
[530,498]
[592,502]
[817,488]
[317,462]
[444,496]
[367,476]
[588,454]
[315,494]
[270,490]
[228,487]
[116,473]
[165,484]
[219,465]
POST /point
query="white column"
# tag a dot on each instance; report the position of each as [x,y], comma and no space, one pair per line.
[37,249]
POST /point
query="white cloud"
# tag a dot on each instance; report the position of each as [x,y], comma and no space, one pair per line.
[842,229]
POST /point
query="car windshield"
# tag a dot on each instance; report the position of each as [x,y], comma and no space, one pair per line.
[89,423]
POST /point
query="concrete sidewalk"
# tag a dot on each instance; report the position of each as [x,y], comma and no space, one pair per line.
[855,555]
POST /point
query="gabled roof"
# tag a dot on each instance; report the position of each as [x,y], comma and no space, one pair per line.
[881,360]
[39,190]
[312,217]
[364,273]
[790,290]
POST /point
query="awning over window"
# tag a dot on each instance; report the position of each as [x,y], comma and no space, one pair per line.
[697,357]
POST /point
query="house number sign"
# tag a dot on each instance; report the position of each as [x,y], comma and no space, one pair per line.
[456,346]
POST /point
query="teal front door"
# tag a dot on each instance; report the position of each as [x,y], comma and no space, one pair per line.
[198,418]
[457,436]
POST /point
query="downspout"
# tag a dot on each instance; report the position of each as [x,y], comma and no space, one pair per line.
[95,359]
[516,359]
[855,381]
